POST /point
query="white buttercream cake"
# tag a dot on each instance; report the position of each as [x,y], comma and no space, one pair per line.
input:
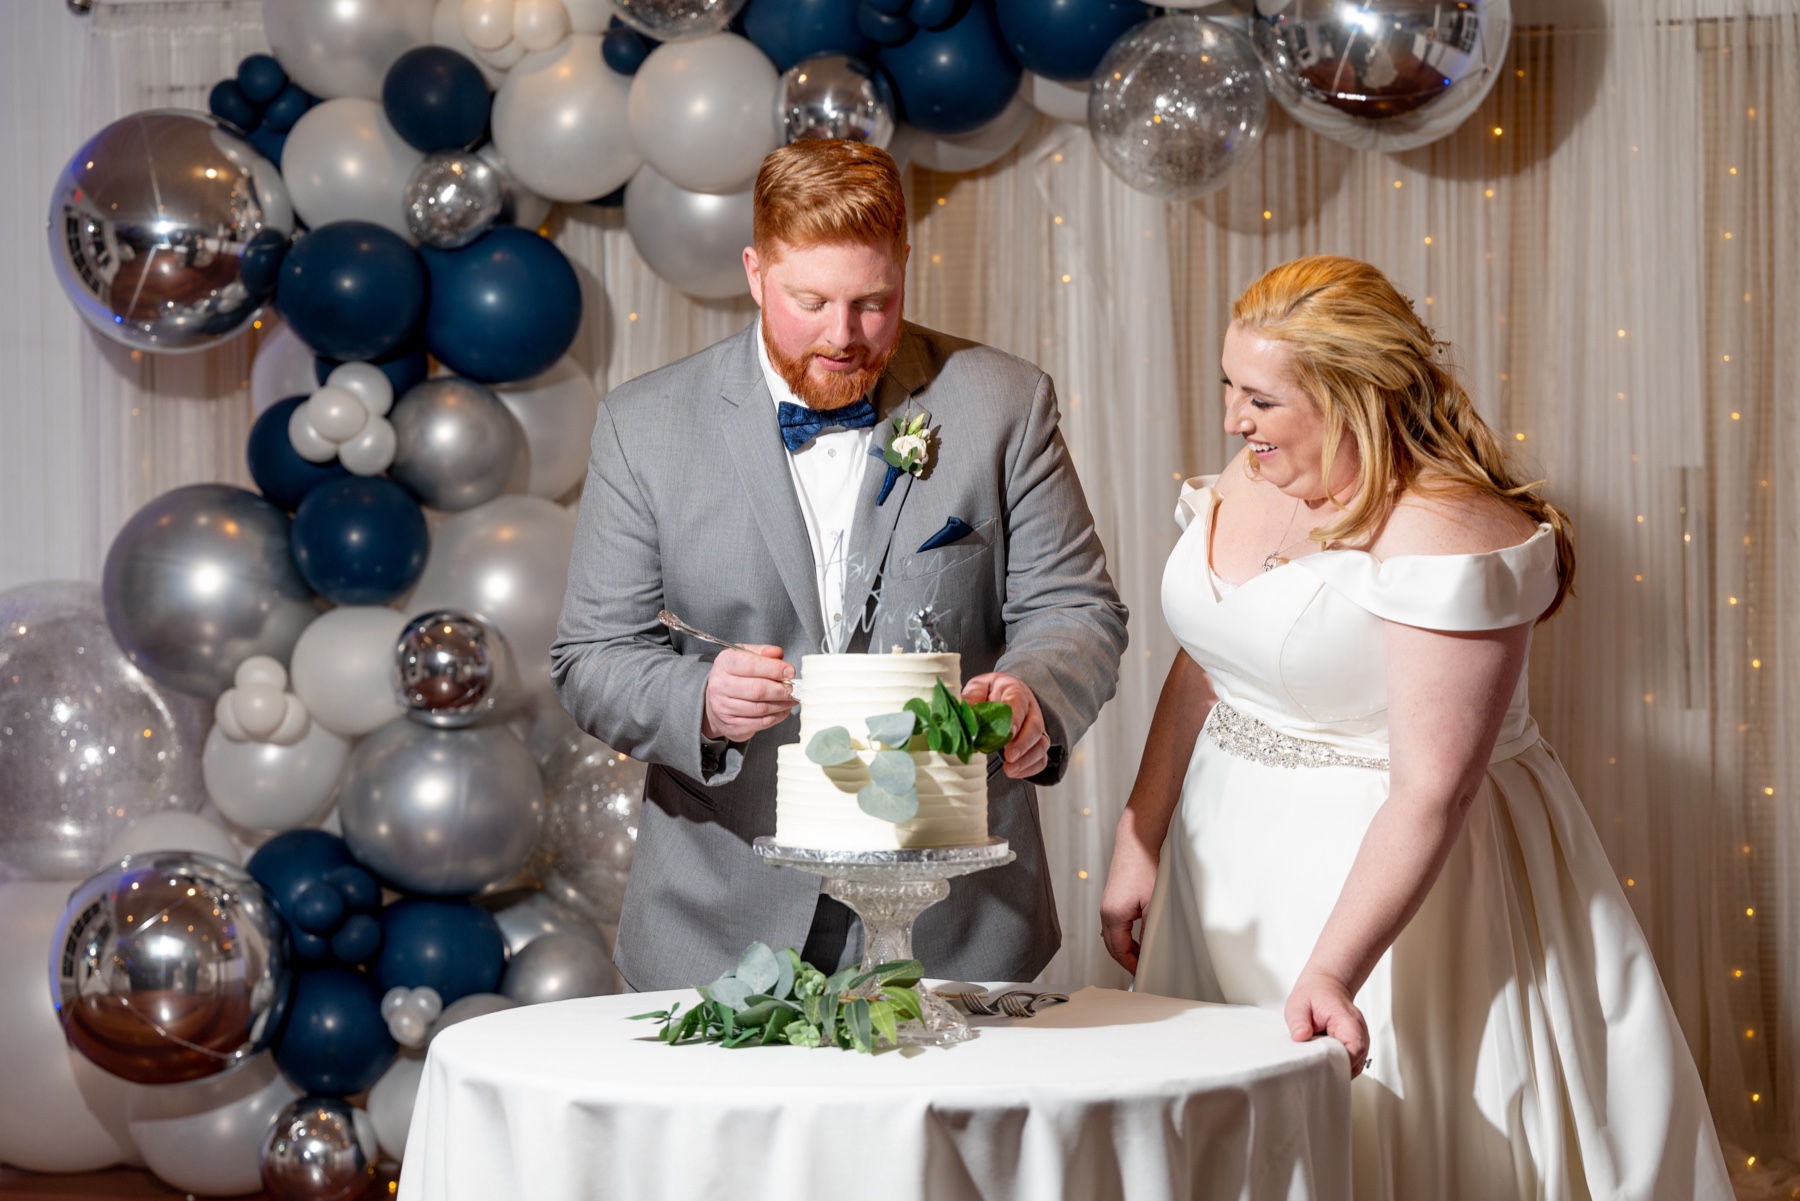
[816,806]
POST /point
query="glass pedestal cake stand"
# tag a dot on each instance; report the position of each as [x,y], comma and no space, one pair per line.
[889,890]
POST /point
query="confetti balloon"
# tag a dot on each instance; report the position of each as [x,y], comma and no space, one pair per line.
[454,198]
[1178,105]
[677,20]
[1385,74]
[88,743]
[590,830]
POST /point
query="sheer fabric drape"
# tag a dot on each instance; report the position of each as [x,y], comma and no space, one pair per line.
[1610,243]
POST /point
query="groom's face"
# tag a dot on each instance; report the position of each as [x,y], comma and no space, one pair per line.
[830,315]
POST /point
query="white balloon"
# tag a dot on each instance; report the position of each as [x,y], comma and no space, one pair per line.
[294,721]
[344,162]
[589,16]
[283,367]
[258,708]
[505,58]
[391,1102]
[372,451]
[267,786]
[695,240]
[173,831]
[261,669]
[540,24]
[344,47]
[700,111]
[556,411]
[336,415]
[446,30]
[206,1137]
[343,666]
[487,24]
[560,122]
[507,560]
[1053,98]
[308,443]
[979,147]
[365,381]
[65,1115]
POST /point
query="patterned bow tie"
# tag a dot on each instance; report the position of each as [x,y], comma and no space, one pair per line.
[800,425]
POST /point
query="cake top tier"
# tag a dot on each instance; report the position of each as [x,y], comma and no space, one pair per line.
[847,690]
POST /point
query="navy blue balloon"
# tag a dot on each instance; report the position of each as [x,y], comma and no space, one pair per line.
[1065,39]
[791,31]
[360,540]
[454,947]
[406,368]
[883,28]
[261,77]
[926,14]
[357,940]
[505,307]
[318,908]
[353,290]
[228,103]
[281,474]
[289,105]
[268,143]
[624,49]
[259,268]
[335,1041]
[295,866]
[956,79]
[436,99]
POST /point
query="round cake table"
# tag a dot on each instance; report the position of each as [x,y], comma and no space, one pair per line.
[1111,1095]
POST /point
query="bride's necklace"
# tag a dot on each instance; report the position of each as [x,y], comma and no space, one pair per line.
[1275,558]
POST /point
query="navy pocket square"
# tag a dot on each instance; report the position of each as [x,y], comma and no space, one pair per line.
[954,529]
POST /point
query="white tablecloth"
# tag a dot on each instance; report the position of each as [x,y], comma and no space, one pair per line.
[1112,1095]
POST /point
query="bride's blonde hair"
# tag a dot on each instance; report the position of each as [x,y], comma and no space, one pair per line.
[1360,351]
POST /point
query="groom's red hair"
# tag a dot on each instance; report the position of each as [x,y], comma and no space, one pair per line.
[823,191]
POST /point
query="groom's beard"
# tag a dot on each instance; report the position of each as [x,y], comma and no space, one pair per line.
[838,389]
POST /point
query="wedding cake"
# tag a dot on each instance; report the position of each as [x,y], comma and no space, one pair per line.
[816,806]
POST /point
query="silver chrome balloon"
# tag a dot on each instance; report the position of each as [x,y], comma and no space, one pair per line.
[169,966]
[835,96]
[694,240]
[1381,74]
[677,20]
[88,743]
[149,227]
[455,444]
[590,831]
[453,198]
[199,580]
[441,812]
[319,1149]
[558,967]
[1178,104]
[452,669]
[525,921]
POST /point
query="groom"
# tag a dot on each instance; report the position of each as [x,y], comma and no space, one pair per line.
[742,488]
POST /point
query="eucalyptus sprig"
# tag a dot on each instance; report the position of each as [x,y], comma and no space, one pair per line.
[775,997]
[946,724]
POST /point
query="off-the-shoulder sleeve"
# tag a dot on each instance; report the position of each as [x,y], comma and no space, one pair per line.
[1195,493]
[1489,591]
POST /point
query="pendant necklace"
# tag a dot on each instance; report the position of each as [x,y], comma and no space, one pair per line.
[1274,558]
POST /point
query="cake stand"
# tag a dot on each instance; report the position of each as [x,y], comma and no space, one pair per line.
[888,890]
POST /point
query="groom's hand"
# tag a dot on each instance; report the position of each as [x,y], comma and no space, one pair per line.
[746,693]
[1028,750]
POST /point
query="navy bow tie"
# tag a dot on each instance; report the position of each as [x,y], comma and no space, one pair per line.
[800,425]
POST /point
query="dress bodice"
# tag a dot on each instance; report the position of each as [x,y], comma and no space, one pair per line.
[1301,647]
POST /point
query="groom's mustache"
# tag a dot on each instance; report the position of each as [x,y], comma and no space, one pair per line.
[839,388]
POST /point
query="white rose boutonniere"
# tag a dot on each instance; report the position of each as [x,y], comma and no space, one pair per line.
[907,450]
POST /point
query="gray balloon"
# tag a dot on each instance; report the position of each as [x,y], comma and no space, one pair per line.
[456,445]
[695,240]
[537,916]
[1178,105]
[441,812]
[199,580]
[88,743]
[559,967]
[168,967]
[677,20]
[590,830]
[1385,74]
[338,48]
[452,669]
[453,198]
[166,230]
[315,1151]
[835,96]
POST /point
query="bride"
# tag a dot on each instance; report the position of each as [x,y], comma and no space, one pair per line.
[1344,808]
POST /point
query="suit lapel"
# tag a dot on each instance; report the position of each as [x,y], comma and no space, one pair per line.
[753,438]
[873,531]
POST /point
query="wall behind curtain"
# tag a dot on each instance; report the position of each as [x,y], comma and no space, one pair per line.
[1610,245]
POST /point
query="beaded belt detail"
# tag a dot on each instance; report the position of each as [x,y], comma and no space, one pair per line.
[1249,738]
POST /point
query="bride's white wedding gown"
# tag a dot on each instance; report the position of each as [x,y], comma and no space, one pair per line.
[1522,1044]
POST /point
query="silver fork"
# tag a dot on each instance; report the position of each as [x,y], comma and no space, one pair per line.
[681,627]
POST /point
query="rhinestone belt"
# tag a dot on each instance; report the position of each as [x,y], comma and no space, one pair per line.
[1248,738]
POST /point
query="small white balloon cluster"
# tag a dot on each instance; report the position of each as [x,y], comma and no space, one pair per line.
[259,708]
[409,1013]
[503,31]
[346,419]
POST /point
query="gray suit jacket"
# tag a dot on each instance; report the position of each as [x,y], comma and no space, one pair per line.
[689,506]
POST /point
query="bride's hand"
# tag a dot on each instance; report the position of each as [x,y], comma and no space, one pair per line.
[1129,882]
[1321,1004]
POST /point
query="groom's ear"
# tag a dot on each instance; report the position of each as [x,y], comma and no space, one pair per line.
[753,272]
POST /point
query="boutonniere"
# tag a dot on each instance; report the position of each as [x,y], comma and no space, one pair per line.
[906,450]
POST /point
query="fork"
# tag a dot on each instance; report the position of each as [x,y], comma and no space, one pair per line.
[681,627]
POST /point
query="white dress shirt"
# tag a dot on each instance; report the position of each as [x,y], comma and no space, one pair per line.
[827,474]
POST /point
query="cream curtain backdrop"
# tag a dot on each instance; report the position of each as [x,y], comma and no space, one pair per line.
[1610,243]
